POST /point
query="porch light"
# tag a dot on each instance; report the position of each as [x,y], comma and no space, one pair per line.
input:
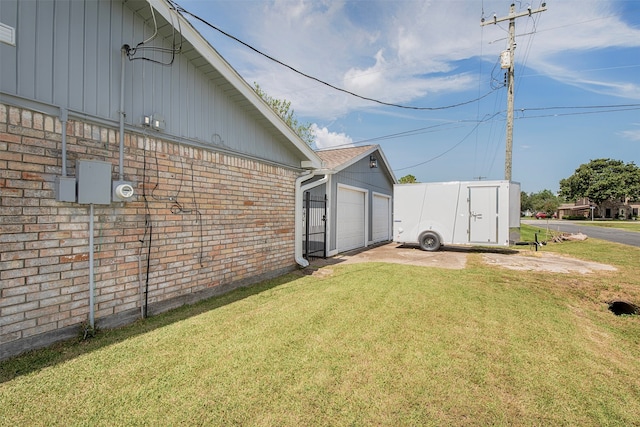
[373,162]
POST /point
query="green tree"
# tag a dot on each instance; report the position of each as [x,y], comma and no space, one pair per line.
[603,180]
[525,202]
[544,201]
[408,179]
[282,107]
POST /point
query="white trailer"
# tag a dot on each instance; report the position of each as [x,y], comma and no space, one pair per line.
[482,213]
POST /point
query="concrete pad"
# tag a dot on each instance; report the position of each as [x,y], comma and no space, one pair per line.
[544,261]
[399,254]
[455,257]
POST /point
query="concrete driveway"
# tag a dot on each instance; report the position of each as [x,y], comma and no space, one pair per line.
[456,258]
[395,253]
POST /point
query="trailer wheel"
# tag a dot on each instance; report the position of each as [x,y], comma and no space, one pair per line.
[429,241]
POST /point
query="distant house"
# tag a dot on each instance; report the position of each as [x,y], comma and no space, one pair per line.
[580,208]
[358,185]
[613,209]
[138,170]
[619,209]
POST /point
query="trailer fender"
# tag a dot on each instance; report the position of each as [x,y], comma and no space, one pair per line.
[430,241]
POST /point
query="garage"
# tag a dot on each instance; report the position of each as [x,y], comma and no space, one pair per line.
[358,185]
[381,218]
[351,218]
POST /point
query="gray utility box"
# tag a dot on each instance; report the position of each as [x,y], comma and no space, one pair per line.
[65,188]
[94,182]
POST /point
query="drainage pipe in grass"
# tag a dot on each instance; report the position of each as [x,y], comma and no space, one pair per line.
[299,191]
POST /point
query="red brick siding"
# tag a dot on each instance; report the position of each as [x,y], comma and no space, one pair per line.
[217,219]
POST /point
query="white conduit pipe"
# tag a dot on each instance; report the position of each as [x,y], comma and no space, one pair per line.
[299,191]
[123,56]
[91,279]
[64,116]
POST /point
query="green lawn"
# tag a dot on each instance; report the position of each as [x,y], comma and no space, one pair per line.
[368,344]
[623,225]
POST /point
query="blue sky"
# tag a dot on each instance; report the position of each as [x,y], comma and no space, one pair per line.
[582,55]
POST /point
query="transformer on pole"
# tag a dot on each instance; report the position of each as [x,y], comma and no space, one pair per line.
[507,62]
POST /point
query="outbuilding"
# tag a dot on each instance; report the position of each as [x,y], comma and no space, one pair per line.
[357,184]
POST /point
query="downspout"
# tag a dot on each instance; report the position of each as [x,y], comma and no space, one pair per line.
[124,50]
[64,116]
[300,189]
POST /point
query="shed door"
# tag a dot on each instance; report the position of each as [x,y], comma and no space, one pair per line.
[483,214]
[350,231]
[381,222]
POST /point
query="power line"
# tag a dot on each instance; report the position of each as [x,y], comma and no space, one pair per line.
[578,107]
[444,152]
[508,55]
[180,9]
[637,107]
[462,123]
[578,114]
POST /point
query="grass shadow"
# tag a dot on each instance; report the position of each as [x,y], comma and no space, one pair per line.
[470,249]
[35,360]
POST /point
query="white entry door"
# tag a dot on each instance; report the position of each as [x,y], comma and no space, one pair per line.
[350,221]
[483,214]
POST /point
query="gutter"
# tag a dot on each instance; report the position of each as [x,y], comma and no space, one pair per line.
[299,191]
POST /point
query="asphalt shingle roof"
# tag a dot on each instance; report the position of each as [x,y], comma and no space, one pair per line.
[336,157]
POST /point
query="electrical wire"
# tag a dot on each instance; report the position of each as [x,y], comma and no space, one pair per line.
[441,127]
[429,129]
[177,47]
[148,229]
[182,10]
[577,114]
[155,25]
[480,77]
[534,19]
[519,118]
[177,208]
[578,107]
[443,153]
[157,183]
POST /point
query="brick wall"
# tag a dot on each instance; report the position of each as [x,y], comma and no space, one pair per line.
[213,222]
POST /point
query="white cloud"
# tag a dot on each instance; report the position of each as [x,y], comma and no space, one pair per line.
[632,135]
[388,52]
[326,139]
[407,51]
[575,51]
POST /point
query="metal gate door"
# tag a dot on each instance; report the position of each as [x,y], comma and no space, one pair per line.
[315,226]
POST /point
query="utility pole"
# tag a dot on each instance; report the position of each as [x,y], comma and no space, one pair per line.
[507,61]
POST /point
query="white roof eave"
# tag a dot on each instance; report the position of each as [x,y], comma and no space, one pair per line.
[239,84]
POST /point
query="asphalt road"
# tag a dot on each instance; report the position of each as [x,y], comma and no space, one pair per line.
[613,235]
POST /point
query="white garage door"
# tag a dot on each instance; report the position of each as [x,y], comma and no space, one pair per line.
[350,228]
[381,227]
